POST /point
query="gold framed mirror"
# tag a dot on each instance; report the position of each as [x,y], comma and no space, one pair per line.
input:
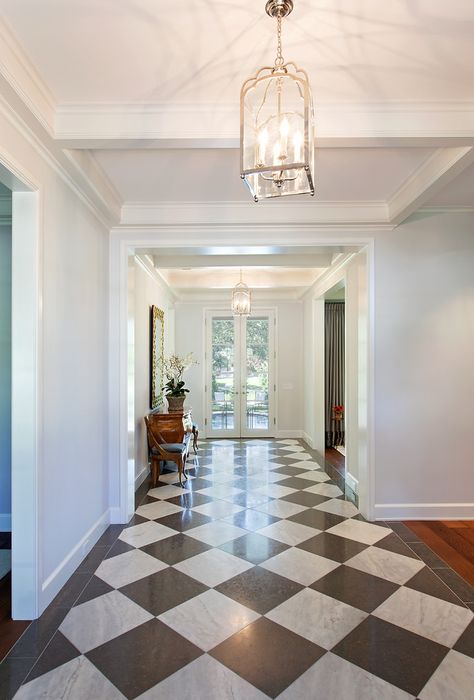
[157,337]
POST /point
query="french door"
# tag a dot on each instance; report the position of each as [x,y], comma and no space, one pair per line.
[240,389]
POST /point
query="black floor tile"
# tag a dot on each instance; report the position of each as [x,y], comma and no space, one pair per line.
[184,520]
[316,518]
[38,635]
[428,582]
[259,589]
[142,657]
[13,673]
[393,543]
[427,555]
[163,590]
[254,548]
[356,588]
[267,655]
[457,584]
[398,656]
[120,547]
[95,588]
[176,548]
[59,651]
[465,643]
[332,546]
[71,591]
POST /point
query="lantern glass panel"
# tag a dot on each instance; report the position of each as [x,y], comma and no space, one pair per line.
[277,145]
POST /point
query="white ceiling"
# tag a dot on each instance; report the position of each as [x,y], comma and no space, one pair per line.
[188,50]
[145,95]
[213,174]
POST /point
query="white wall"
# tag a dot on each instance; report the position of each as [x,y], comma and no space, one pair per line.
[148,290]
[424,376]
[190,337]
[5,376]
[73,430]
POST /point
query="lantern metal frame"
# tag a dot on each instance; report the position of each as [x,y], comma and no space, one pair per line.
[281,76]
[241,299]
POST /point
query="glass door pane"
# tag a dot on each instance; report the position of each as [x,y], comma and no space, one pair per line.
[256,388]
[224,416]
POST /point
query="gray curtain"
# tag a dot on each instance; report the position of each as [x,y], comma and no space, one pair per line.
[334,370]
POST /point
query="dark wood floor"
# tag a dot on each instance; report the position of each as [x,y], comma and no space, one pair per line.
[451,540]
[10,631]
[336,459]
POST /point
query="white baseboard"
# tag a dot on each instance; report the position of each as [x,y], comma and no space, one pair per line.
[308,440]
[56,580]
[424,511]
[282,434]
[141,477]
[352,482]
[115,515]
[5,522]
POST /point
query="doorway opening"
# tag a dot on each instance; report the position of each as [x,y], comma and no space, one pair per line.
[240,375]
[335,377]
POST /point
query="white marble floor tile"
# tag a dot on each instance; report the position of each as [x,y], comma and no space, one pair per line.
[389,565]
[252,500]
[213,567]
[275,490]
[333,678]
[76,680]
[329,490]
[280,509]
[216,533]
[99,620]
[288,441]
[344,508]
[172,477]
[204,679]
[452,680]
[271,477]
[425,615]
[223,477]
[359,531]
[218,509]
[293,448]
[314,475]
[163,492]
[220,491]
[145,533]
[208,619]
[159,509]
[298,456]
[325,620]
[308,464]
[128,567]
[289,532]
[300,566]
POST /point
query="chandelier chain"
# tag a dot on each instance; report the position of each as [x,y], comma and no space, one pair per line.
[279,60]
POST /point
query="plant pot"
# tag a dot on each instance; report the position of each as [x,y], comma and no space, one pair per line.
[175,403]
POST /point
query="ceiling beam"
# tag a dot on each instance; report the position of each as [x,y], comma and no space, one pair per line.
[214,125]
[170,262]
[434,174]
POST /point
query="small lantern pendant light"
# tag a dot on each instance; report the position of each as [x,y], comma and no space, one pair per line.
[241,299]
[277,124]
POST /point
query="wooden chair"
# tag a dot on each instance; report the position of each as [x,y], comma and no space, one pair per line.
[166,442]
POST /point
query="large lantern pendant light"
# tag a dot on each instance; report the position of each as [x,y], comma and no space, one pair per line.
[277,124]
[241,299]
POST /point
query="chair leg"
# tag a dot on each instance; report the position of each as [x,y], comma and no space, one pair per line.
[195,440]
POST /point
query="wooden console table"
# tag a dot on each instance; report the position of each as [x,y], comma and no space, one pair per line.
[169,437]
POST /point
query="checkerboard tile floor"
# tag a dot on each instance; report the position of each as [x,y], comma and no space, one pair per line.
[255,580]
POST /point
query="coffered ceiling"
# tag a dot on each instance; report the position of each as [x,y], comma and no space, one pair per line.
[141,99]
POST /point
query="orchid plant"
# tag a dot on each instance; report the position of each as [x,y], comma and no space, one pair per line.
[174,367]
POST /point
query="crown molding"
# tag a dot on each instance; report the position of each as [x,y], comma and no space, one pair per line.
[210,125]
[147,265]
[347,214]
[427,180]
[199,295]
[22,76]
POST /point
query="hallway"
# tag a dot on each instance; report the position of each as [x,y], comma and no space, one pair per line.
[256,579]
